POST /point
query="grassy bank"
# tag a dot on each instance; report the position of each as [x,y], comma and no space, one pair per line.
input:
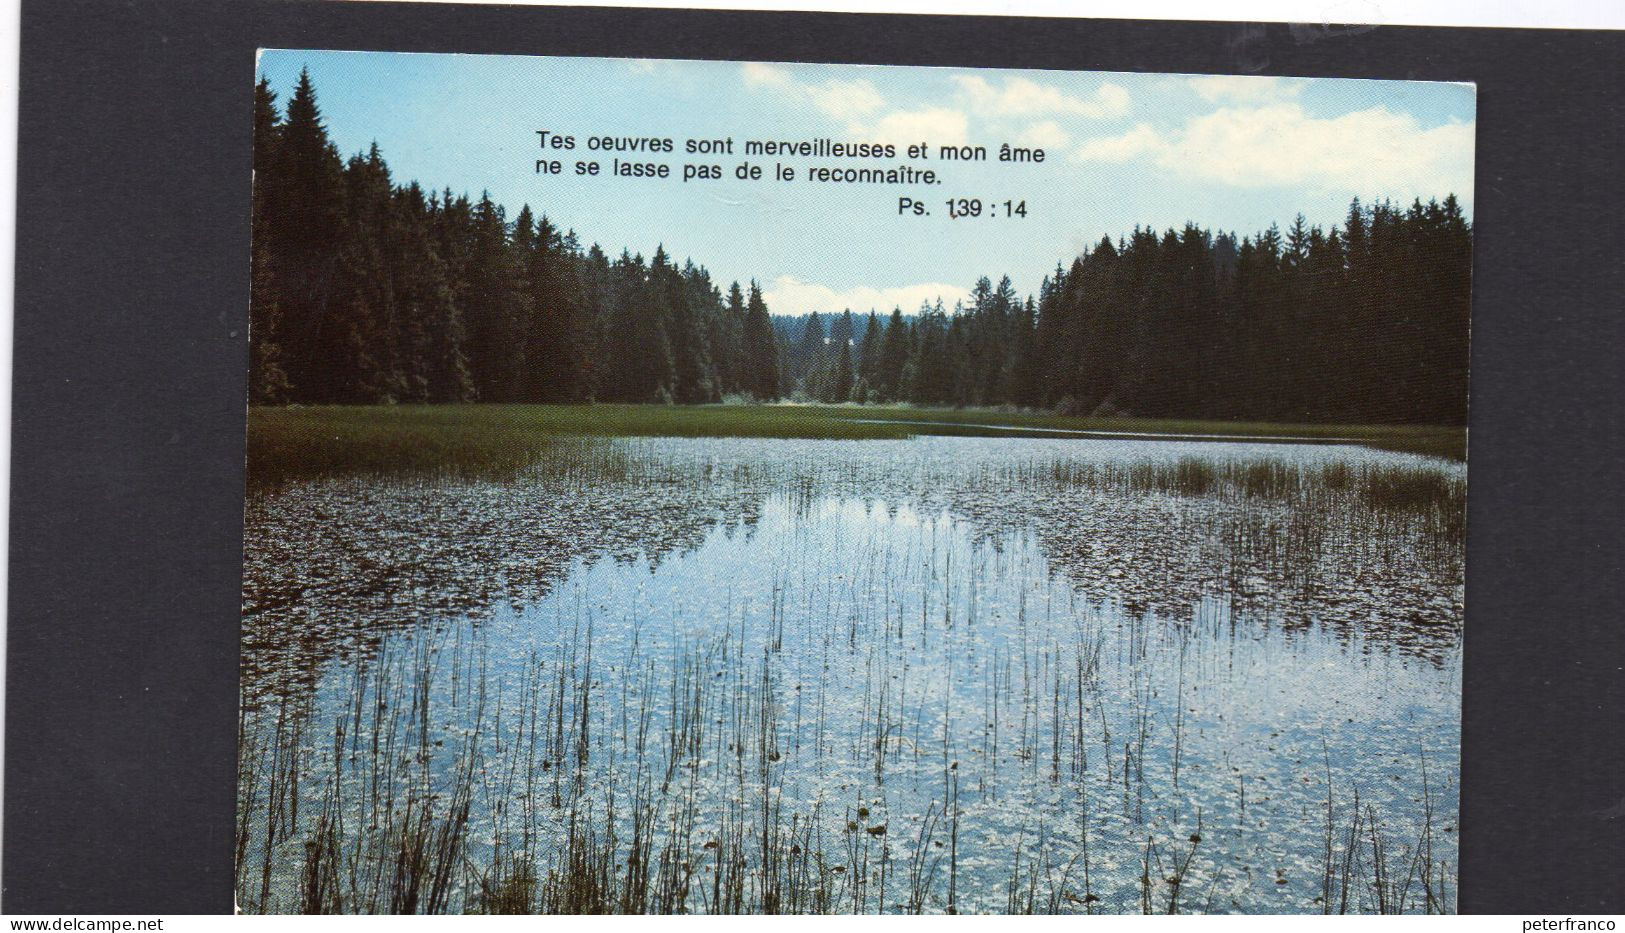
[287,443]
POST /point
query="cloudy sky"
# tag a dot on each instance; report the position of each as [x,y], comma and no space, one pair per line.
[1232,153]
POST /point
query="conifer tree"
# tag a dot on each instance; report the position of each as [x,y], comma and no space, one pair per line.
[760,348]
[869,364]
[366,290]
[894,353]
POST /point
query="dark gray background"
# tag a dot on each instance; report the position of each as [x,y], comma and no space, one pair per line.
[127,469]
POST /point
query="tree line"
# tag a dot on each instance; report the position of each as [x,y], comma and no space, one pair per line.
[366,290]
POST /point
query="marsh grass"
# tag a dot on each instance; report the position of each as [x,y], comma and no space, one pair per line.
[630,764]
[513,811]
[610,776]
[492,440]
[1378,486]
[496,440]
[1367,871]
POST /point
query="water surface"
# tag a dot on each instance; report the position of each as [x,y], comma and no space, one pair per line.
[960,674]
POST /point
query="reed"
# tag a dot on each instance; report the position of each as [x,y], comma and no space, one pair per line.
[291,443]
[949,716]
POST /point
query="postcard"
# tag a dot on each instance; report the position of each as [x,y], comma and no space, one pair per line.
[719,487]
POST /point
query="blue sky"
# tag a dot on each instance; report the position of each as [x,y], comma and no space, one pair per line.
[1232,153]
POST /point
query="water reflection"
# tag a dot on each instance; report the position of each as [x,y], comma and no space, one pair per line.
[943,674]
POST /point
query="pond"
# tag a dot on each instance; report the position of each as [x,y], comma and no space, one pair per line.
[935,675]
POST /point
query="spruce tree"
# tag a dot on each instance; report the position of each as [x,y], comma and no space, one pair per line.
[367,290]
[760,348]
[869,354]
[894,353]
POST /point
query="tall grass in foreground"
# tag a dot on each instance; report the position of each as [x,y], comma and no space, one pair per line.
[620,780]
[1362,868]
[933,723]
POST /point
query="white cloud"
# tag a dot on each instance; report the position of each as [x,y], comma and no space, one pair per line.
[855,103]
[843,100]
[1047,135]
[1023,97]
[1138,141]
[934,126]
[846,100]
[1245,88]
[757,74]
[789,295]
[1369,152]
[864,112]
